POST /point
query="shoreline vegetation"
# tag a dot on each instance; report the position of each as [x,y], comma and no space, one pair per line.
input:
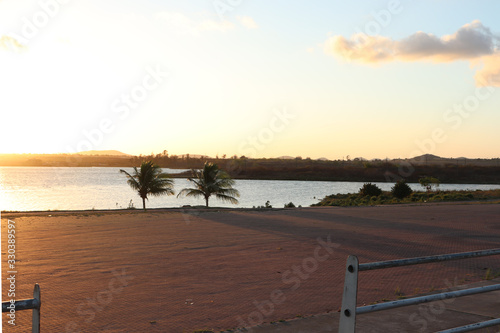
[417,197]
[447,170]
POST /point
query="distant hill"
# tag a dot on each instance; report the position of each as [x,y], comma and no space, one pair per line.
[427,157]
[103,153]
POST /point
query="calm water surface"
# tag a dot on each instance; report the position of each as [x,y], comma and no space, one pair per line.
[60,188]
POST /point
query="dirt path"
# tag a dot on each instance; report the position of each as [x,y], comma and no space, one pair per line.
[168,271]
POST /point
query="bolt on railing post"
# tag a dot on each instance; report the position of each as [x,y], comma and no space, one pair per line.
[35,325]
[347,322]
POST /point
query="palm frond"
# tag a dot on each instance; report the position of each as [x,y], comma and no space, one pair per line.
[149,180]
[229,191]
[131,180]
[226,198]
[211,181]
[191,192]
[161,191]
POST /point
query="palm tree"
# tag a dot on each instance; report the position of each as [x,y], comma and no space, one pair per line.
[211,180]
[149,180]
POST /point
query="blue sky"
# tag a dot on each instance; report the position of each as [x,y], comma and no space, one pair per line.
[264,79]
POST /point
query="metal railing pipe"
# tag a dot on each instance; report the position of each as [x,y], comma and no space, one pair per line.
[473,327]
[24,304]
[425,299]
[347,321]
[27,304]
[428,259]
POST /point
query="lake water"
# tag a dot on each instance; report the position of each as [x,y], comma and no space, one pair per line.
[60,188]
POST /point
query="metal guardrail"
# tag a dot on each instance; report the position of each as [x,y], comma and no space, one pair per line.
[349,310]
[26,304]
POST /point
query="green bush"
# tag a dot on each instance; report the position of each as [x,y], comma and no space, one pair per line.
[429,182]
[401,190]
[289,205]
[370,189]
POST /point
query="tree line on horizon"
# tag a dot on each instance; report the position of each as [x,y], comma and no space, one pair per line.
[285,169]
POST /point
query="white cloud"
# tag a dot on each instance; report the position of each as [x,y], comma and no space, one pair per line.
[489,73]
[216,25]
[180,23]
[473,42]
[184,24]
[11,44]
[247,22]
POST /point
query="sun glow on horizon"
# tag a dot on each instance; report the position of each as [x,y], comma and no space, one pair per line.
[142,79]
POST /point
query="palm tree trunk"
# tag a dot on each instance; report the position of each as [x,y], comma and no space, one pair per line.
[206,200]
[144,204]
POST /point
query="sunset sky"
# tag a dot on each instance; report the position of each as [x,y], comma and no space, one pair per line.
[258,78]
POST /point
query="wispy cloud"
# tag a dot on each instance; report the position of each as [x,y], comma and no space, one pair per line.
[489,73]
[181,23]
[247,22]
[178,22]
[216,25]
[184,24]
[9,43]
[473,42]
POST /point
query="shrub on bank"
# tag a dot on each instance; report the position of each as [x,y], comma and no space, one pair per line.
[401,190]
[370,189]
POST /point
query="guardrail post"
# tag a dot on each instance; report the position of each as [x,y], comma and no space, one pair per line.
[347,322]
[35,326]
[349,309]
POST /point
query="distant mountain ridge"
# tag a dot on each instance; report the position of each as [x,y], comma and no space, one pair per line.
[417,159]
